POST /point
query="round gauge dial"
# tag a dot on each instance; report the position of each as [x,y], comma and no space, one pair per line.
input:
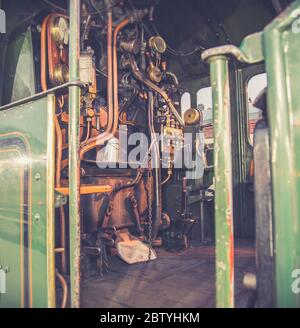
[157,44]
[60,31]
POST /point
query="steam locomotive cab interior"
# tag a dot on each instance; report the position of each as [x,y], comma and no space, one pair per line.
[145,143]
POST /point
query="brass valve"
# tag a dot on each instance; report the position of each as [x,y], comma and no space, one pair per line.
[192,116]
[61,74]
[154,73]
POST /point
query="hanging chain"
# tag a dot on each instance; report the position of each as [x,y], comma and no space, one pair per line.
[150,212]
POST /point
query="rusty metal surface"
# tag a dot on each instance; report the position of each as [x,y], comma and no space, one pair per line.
[94,206]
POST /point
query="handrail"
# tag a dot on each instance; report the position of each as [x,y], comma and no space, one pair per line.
[42,94]
[249,52]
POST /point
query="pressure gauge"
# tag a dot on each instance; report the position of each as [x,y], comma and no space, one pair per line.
[157,44]
[60,31]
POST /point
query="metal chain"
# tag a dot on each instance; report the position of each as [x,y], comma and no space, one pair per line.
[150,214]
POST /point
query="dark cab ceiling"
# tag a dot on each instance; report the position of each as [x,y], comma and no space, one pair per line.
[189,25]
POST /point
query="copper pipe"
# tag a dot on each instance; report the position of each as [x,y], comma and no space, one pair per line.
[167,179]
[63,239]
[61,101]
[59,145]
[43,53]
[64,288]
[101,139]
[109,72]
[107,134]
[44,88]
[118,28]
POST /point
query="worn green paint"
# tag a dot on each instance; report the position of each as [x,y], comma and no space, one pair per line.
[249,52]
[25,161]
[279,45]
[252,48]
[223,182]
[74,160]
[283,69]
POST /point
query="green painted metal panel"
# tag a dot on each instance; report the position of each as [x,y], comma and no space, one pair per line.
[252,48]
[282,44]
[10,235]
[250,51]
[27,204]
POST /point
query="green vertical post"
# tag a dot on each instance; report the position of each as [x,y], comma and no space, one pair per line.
[282,43]
[223,182]
[218,58]
[74,159]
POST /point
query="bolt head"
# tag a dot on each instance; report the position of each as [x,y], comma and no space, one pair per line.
[37,217]
[37,177]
